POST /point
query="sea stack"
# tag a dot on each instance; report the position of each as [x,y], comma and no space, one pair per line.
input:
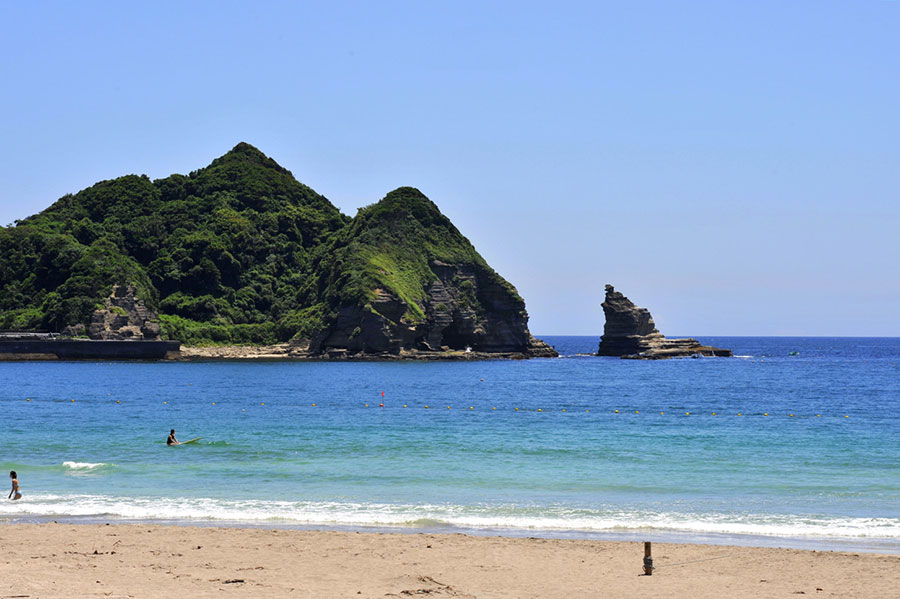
[630,333]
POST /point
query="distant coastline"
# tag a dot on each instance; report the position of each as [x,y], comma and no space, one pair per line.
[117,350]
[169,351]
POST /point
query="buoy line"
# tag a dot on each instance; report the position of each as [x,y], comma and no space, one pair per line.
[472,408]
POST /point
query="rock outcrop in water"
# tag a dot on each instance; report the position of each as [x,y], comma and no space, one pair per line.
[630,333]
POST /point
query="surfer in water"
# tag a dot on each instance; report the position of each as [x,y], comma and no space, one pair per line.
[14,493]
[172,440]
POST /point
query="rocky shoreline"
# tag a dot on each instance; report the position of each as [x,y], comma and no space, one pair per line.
[293,352]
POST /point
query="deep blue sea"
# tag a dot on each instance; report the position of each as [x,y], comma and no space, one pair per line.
[764,448]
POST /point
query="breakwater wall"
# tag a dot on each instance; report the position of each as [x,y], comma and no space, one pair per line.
[86,349]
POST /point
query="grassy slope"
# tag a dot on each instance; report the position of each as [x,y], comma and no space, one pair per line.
[390,245]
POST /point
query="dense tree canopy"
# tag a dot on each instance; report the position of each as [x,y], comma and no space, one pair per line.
[237,252]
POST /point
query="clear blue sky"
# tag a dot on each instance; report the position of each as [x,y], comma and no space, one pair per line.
[733,166]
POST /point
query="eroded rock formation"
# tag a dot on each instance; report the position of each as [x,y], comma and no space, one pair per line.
[124,317]
[630,333]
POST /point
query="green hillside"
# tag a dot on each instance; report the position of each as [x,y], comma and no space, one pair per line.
[241,252]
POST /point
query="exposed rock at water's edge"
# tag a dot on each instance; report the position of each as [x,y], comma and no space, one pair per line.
[629,332]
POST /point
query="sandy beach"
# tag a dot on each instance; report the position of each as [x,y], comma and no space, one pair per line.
[62,560]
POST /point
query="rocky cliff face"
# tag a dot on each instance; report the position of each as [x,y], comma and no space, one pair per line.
[123,317]
[630,333]
[403,280]
[464,311]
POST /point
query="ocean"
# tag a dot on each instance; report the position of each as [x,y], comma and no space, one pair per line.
[794,442]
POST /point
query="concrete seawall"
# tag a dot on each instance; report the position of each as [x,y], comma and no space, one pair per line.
[84,349]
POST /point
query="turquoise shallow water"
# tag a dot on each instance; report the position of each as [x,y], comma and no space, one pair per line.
[597,447]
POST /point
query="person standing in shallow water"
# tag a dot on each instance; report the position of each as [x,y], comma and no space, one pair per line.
[14,493]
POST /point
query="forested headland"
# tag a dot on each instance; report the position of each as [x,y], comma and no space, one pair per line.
[241,252]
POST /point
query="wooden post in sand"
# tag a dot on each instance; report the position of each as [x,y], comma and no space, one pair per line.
[648,561]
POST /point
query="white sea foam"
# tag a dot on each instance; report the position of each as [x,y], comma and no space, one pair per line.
[478,517]
[83,466]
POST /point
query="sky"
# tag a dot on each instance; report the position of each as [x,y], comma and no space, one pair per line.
[732,166]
